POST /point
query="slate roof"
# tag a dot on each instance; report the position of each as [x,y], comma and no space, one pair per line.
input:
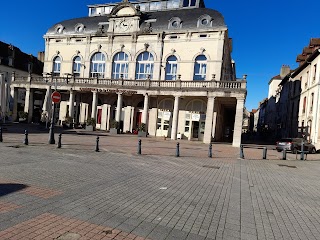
[189,18]
[21,59]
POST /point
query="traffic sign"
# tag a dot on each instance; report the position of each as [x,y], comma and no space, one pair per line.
[56,97]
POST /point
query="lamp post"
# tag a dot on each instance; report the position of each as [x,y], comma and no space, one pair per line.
[51,131]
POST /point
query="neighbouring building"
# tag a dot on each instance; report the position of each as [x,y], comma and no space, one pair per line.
[14,62]
[164,63]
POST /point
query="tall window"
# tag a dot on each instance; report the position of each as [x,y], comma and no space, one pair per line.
[171,68]
[120,65]
[200,68]
[98,65]
[314,73]
[304,104]
[144,66]
[189,3]
[56,66]
[311,103]
[76,66]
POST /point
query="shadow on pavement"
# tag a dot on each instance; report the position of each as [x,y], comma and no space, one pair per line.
[7,188]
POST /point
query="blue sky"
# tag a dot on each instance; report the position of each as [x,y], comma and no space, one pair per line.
[266,34]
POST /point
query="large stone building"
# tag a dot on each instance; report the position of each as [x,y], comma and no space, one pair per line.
[163,63]
[15,62]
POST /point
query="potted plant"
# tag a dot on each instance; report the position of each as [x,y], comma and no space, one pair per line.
[114,127]
[68,122]
[90,124]
[142,130]
[23,116]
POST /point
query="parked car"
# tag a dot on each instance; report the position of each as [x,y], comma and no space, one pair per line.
[294,145]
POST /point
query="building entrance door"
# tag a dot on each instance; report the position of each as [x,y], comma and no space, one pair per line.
[195,129]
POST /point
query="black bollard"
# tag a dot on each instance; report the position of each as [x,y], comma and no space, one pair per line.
[139,147]
[241,152]
[264,153]
[26,141]
[302,151]
[1,139]
[178,150]
[284,154]
[97,144]
[59,141]
[210,151]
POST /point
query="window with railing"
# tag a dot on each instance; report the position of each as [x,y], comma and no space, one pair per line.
[171,68]
[144,65]
[76,66]
[120,66]
[98,65]
[56,66]
[200,68]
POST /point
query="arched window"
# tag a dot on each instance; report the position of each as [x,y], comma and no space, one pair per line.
[98,65]
[56,66]
[76,66]
[171,68]
[120,66]
[144,66]
[200,68]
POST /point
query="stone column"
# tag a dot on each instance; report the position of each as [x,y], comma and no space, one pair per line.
[237,131]
[108,117]
[119,108]
[71,104]
[175,118]
[28,104]
[94,104]
[209,121]
[14,95]
[145,109]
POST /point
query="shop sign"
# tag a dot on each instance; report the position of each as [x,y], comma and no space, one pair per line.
[106,90]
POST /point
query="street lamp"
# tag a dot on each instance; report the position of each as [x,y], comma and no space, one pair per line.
[51,131]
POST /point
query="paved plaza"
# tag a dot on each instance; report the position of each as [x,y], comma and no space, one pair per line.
[78,193]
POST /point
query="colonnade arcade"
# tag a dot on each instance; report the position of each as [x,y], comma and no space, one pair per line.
[173,116]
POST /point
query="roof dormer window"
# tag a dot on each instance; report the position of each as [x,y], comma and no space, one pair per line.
[79,28]
[175,23]
[205,21]
[59,29]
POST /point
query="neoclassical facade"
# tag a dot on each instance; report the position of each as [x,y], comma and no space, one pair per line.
[163,63]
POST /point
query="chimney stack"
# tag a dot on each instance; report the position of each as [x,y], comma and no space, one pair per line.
[285,70]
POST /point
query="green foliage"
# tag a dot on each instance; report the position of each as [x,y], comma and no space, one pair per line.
[91,121]
[142,127]
[114,124]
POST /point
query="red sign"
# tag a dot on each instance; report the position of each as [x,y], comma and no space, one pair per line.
[56,97]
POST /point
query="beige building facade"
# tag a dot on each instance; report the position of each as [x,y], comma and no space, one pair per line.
[163,63]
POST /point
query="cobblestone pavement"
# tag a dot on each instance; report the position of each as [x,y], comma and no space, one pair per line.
[77,193]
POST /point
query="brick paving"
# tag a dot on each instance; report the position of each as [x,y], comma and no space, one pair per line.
[77,193]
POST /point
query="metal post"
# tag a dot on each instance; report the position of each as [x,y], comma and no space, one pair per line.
[1,139]
[178,150]
[97,144]
[264,153]
[59,141]
[210,151]
[284,154]
[51,132]
[241,152]
[302,151]
[26,141]
[139,147]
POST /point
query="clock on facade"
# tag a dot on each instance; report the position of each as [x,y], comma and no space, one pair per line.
[124,25]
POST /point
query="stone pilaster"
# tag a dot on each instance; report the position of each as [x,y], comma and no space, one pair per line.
[175,118]
[209,121]
[238,123]
[94,104]
[119,108]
